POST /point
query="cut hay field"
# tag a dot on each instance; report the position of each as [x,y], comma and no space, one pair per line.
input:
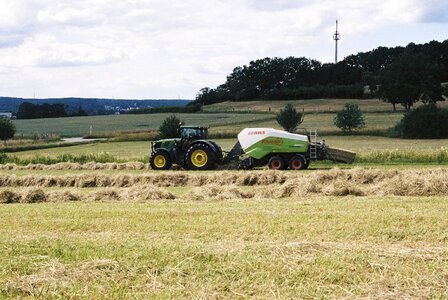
[327,234]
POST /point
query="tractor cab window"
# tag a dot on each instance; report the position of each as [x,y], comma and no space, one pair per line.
[193,133]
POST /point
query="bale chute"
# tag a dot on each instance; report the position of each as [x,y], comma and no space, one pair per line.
[340,155]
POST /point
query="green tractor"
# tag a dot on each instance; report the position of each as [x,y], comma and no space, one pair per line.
[191,151]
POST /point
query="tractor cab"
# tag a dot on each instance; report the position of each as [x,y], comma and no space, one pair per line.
[193,133]
[189,134]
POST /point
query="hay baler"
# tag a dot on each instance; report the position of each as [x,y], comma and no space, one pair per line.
[256,147]
[277,149]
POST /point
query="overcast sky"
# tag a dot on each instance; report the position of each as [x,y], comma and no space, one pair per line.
[145,49]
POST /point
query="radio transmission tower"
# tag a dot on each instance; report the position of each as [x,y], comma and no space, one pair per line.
[336,38]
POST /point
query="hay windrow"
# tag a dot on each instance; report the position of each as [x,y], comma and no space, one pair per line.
[235,184]
[218,192]
[105,195]
[147,194]
[343,189]
[77,166]
[8,196]
[34,196]
[64,196]
[279,191]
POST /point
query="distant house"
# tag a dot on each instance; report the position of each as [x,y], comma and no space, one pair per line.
[6,115]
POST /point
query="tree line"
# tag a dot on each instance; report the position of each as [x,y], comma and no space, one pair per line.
[399,75]
[28,110]
[191,107]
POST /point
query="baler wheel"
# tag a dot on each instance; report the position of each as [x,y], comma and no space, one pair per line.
[276,163]
[297,163]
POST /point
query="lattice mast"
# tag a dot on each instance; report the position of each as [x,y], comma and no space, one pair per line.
[336,38]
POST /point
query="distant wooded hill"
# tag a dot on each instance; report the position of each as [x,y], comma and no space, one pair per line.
[92,106]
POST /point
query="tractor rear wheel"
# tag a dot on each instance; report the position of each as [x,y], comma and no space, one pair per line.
[200,157]
[276,163]
[297,163]
[160,160]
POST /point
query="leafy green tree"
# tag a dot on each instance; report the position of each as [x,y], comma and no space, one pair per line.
[7,129]
[208,96]
[426,122]
[409,79]
[26,111]
[56,110]
[289,118]
[170,127]
[35,111]
[349,118]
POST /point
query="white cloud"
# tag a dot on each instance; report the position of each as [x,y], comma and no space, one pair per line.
[16,23]
[151,48]
[60,55]
[46,51]
[69,16]
[11,15]
[11,40]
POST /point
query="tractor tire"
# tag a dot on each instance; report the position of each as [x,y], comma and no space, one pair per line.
[297,163]
[160,160]
[200,157]
[276,163]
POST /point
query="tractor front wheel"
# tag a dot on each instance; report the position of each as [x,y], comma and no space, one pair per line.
[160,160]
[200,157]
[276,163]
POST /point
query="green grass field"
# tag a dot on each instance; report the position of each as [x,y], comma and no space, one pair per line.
[307,248]
[122,150]
[219,123]
[80,126]
[324,122]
